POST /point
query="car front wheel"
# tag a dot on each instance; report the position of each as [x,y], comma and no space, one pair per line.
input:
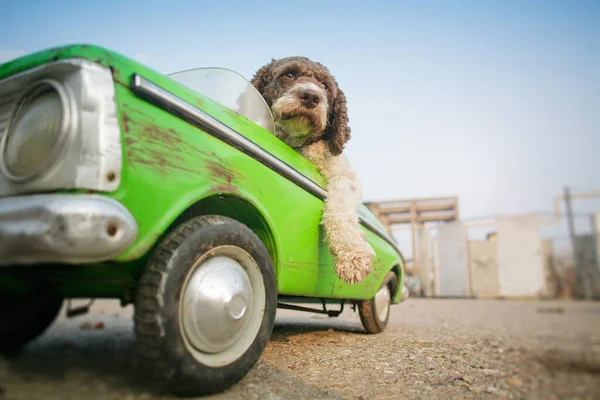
[25,316]
[375,313]
[206,305]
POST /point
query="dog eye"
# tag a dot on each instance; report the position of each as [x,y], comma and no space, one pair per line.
[324,85]
[289,75]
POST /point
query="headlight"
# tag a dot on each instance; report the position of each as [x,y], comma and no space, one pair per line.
[36,132]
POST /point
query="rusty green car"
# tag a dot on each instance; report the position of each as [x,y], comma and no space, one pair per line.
[169,193]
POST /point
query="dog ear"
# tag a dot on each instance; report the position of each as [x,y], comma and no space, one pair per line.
[262,77]
[338,131]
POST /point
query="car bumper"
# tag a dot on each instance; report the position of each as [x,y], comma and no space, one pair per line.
[57,228]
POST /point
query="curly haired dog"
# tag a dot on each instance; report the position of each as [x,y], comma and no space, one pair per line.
[311,116]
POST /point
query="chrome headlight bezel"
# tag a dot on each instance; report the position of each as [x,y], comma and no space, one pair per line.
[90,153]
[32,92]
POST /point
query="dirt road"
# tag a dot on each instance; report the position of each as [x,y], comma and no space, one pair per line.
[432,349]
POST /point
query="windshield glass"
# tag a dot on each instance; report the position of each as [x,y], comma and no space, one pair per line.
[231,90]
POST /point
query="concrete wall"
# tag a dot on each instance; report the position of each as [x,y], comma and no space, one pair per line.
[427,277]
[587,244]
[435,266]
[453,260]
[595,219]
[520,257]
[483,264]
[553,285]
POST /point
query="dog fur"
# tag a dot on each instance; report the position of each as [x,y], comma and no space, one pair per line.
[310,114]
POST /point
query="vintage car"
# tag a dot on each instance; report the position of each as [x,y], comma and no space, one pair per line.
[169,193]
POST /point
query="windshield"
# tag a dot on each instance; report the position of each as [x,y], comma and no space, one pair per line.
[231,90]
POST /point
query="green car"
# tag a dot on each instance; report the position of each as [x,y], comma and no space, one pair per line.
[169,193]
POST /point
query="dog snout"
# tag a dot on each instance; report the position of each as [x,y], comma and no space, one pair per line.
[309,98]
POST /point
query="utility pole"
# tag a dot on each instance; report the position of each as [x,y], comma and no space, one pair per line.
[583,288]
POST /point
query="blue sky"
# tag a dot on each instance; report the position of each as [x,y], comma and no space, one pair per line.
[497,102]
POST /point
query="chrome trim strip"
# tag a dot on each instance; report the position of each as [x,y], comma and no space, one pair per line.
[184,110]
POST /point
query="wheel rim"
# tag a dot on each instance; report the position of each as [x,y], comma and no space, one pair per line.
[222,305]
[382,302]
[220,292]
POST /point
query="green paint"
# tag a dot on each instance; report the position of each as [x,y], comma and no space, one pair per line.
[171,166]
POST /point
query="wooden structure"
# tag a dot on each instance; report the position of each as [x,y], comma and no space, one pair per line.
[415,213]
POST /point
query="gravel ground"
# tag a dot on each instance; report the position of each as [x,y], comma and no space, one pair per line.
[432,349]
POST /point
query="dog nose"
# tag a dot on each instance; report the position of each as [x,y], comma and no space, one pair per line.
[309,98]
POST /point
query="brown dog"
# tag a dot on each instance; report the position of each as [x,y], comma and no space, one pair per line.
[311,116]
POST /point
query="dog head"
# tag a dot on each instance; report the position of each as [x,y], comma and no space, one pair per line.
[306,102]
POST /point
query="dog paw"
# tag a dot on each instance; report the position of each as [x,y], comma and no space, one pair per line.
[353,267]
[357,274]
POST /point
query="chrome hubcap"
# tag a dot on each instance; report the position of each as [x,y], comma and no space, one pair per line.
[382,302]
[216,304]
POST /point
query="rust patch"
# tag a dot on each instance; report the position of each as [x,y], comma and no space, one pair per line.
[167,136]
[219,171]
[156,147]
[224,189]
[125,121]
[115,72]
[132,110]
[168,151]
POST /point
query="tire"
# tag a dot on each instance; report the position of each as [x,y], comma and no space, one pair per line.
[195,326]
[375,313]
[25,317]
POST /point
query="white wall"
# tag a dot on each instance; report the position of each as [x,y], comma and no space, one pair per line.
[426,269]
[483,264]
[453,260]
[435,265]
[520,257]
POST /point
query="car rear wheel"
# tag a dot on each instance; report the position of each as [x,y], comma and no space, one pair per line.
[375,313]
[25,316]
[206,305]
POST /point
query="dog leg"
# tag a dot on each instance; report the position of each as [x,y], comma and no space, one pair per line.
[351,252]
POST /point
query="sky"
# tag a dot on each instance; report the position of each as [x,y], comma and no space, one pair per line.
[497,102]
